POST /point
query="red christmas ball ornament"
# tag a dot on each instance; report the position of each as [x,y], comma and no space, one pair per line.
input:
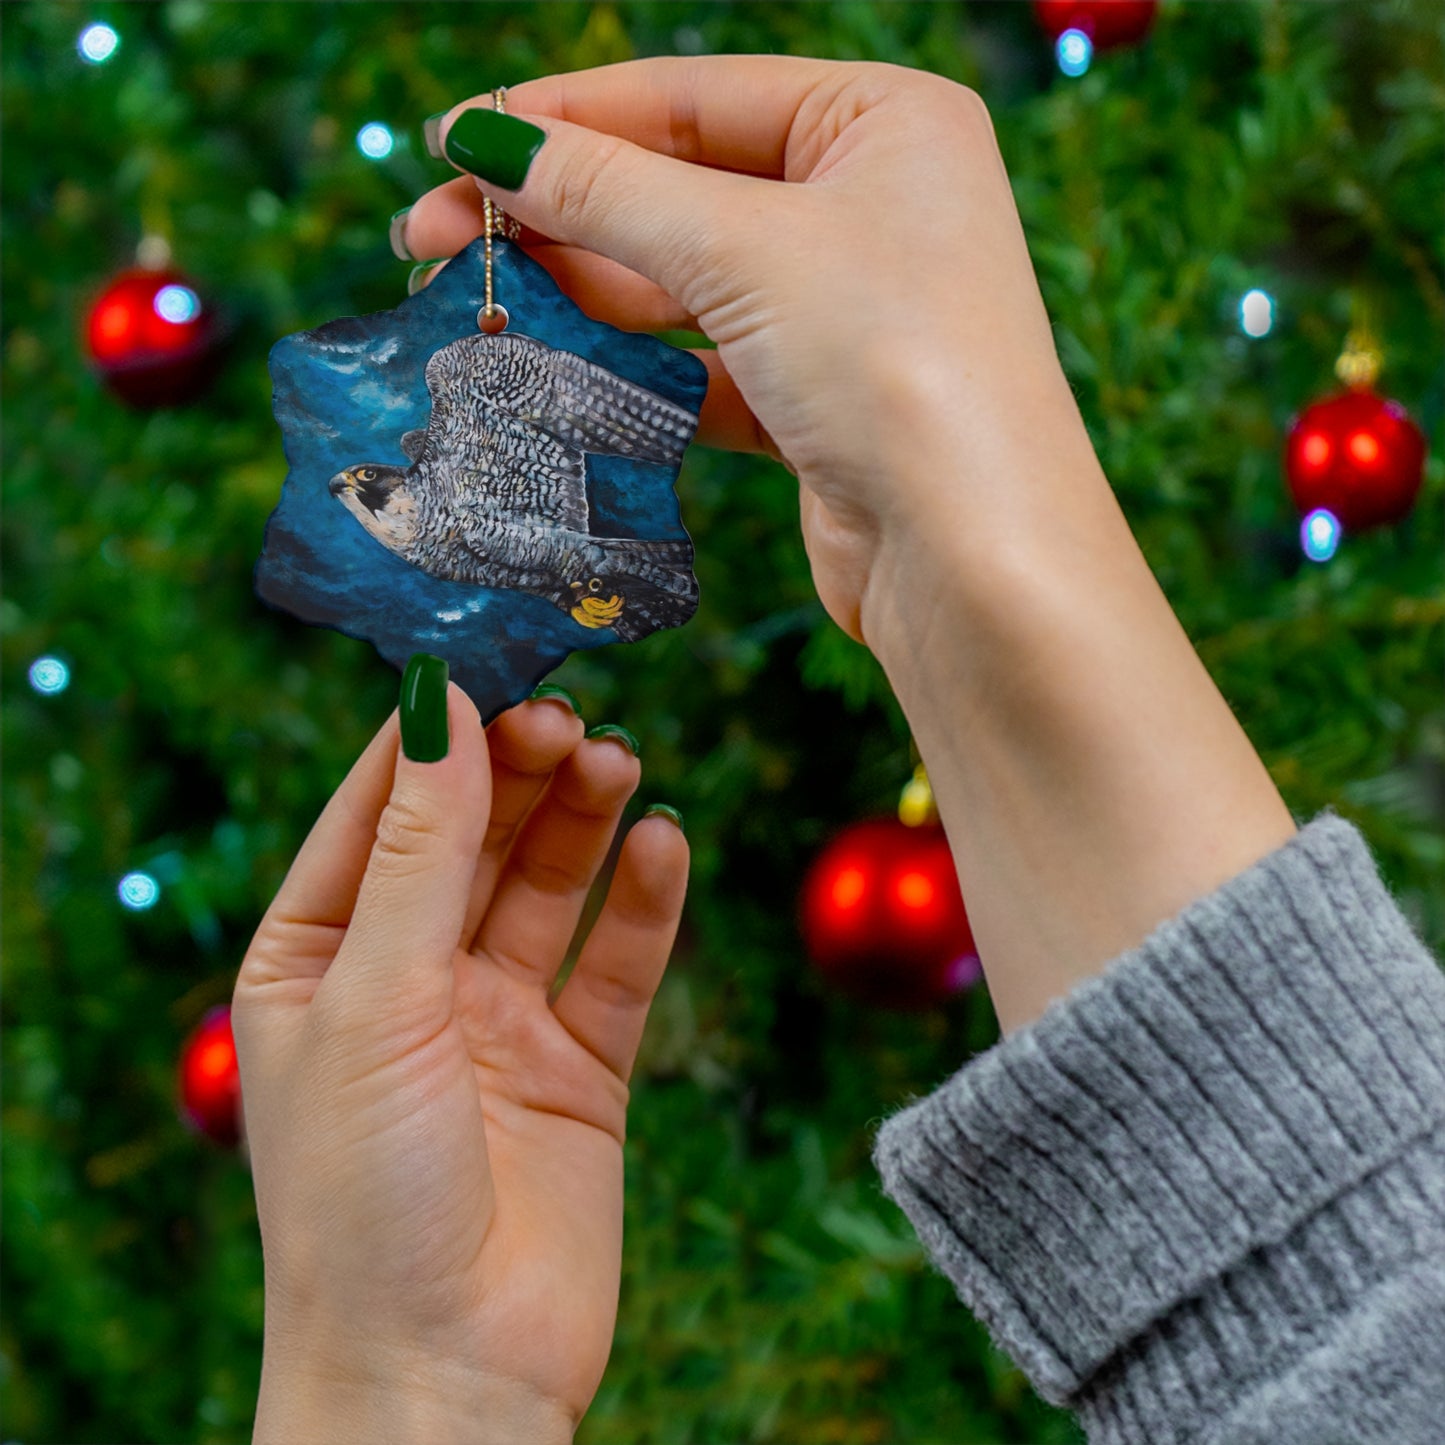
[1358,456]
[883,918]
[210,1080]
[152,338]
[1107,23]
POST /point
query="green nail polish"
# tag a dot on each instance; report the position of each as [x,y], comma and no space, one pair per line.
[424,735]
[670,813]
[418,272]
[498,148]
[550,689]
[396,233]
[431,133]
[612,730]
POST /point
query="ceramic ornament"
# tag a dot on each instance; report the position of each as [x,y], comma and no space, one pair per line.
[498,500]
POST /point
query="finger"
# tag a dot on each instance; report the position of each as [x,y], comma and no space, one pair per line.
[444,219]
[395,963]
[605,1000]
[526,743]
[543,887]
[603,289]
[735,112]
[300,931]
[654,215]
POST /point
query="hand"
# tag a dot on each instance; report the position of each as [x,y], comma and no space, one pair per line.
[437,1150]
[847,235]
[884,294]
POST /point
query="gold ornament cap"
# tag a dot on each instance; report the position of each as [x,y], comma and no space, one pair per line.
[1360,362]
[915,804]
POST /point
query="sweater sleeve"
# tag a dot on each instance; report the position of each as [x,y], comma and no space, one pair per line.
[1202,1198]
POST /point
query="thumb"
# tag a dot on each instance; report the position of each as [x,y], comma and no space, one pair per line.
[395,962]
[664,218]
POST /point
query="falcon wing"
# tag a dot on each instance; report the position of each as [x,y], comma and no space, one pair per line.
[578,402]
[584,404]
[483,460]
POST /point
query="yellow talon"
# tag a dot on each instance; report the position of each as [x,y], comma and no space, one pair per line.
[595,612]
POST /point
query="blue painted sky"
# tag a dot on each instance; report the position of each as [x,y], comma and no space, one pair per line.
[346,392]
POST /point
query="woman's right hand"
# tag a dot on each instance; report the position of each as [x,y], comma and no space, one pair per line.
[846,235]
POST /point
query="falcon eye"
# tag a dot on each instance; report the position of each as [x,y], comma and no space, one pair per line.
[595,585]
[366,474]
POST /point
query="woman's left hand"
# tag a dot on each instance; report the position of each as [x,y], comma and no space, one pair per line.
[436,1146]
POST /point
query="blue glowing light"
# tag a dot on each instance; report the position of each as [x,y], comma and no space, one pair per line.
[1074,52]
[177,304]
[375,141]
[49,675]
[1256,313]
[138,891]
[1319,535]
[97,43]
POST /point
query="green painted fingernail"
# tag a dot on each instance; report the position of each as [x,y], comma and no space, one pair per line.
[498,148]
[418,273]
[424,735]
[431,133]
[550,689]
[663,810]
[612,730]
[396,232]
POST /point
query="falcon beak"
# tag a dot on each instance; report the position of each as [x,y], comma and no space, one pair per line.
[341,483]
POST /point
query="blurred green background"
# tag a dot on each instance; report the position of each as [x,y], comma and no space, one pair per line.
[770,1292]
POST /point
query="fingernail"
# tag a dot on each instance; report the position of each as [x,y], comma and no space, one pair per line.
[550,689]
[612,730]
[664,811]
[415,280]
[498,148]
[431,133]
[424,736]
[396,231]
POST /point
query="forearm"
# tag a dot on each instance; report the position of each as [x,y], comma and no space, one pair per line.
[1091,778]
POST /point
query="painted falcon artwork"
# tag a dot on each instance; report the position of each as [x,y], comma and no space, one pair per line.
[499,501]
[496,493]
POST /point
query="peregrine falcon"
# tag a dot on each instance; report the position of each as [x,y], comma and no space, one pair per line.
[496,492]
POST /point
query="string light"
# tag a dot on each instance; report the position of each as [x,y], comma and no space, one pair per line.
[138,891]
[177,304]
[1319,535]
[49,675]
[1256,313]
[375,141]
[1074,51]
[97,44]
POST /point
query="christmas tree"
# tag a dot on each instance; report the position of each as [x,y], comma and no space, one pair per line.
[169,740]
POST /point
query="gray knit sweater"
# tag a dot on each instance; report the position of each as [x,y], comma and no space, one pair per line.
[1202,1198]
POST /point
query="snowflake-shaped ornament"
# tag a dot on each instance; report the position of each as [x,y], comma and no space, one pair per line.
[498,500]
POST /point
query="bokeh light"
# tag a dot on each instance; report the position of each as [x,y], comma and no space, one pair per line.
[49,675]
[1319,535]
[1256,313]
[375,141]
[138,891]
[177,304]
[1075,52]
[97,44]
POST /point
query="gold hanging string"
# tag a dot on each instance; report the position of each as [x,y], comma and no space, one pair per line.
[495,221]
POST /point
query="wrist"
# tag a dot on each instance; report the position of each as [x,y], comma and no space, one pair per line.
[401,1399]
[1092,779]
[984,519]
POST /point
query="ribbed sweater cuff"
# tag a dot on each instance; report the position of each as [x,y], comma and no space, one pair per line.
[1213,1107]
